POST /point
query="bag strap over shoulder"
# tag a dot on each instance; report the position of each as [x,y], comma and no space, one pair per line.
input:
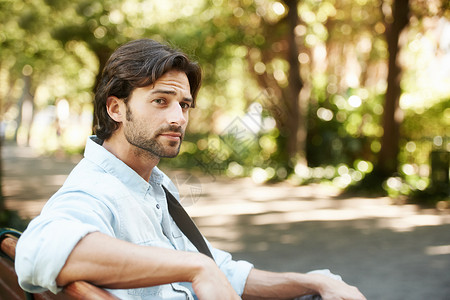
[185,223]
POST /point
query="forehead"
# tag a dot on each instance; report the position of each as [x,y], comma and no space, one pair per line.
[173,80]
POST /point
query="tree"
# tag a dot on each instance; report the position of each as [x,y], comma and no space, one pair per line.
[396,21]
[296,147]
[278,55]
[392,117]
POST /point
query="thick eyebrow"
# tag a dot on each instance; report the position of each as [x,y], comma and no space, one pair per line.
[169,92]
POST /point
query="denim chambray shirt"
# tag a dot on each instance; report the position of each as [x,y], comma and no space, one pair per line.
[103,194]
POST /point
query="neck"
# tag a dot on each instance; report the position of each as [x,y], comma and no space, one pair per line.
[141,161]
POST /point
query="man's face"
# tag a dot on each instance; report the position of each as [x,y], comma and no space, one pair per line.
[157,115]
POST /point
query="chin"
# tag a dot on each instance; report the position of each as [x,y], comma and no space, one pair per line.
[171,154]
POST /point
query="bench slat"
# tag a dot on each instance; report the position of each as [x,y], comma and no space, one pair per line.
[9,288]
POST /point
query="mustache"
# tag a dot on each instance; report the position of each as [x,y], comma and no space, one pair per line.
[170,128]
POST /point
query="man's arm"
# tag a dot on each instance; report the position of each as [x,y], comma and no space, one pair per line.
[112,263]
[270,285]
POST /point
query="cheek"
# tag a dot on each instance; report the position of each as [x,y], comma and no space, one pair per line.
[186,117]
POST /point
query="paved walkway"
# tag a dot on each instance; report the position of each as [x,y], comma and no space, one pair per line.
[390,252]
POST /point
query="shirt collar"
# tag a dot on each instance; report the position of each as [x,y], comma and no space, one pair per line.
[97,154]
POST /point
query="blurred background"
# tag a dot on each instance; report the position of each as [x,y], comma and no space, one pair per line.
[351,92]
[353,95]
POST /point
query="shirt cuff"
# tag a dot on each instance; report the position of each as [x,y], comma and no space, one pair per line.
[239,278]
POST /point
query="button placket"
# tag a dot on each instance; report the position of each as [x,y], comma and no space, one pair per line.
[151,200]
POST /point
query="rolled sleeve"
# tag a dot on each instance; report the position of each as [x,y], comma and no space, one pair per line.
[236,271]
[43,250]
[44,247]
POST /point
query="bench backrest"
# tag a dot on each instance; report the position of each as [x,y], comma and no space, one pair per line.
[10,289]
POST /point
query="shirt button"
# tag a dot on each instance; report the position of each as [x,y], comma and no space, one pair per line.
[157,206]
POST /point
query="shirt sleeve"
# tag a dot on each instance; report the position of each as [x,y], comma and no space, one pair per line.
[45,245]
[236,271]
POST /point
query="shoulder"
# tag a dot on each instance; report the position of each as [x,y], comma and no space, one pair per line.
[91,184]
[87,172]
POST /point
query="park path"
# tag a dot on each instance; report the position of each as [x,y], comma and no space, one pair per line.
[391,252]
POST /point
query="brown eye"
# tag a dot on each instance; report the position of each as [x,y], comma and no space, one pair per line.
[185,105]
[159,101]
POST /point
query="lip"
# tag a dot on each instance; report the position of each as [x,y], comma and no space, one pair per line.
[172,135]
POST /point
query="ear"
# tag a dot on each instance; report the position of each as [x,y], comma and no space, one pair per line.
[115,108]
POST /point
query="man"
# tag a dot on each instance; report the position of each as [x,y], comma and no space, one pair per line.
[110,223]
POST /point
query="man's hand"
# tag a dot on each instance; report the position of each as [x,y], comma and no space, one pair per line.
[332,289]
[271,285]
[211,283]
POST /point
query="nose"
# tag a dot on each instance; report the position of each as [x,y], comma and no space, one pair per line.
[175,114]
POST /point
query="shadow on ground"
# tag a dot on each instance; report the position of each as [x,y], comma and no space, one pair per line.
[381,262]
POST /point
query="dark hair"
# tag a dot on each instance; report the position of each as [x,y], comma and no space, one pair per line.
[138,64]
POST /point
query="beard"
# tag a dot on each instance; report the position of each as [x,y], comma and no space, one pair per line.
[137,136]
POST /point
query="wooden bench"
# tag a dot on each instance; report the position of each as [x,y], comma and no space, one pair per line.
[9,286]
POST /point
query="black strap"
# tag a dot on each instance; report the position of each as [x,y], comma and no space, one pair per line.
[4,234]
[185,223]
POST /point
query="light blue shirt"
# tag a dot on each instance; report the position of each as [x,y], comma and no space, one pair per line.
[103,194]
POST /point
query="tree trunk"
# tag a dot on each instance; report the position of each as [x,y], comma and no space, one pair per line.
[387,159]
[2,201]
[296,142]
[25,106]
[3,108]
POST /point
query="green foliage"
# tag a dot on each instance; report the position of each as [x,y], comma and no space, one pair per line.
[426,124]
[231,153]
[243,49]
[343,128]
